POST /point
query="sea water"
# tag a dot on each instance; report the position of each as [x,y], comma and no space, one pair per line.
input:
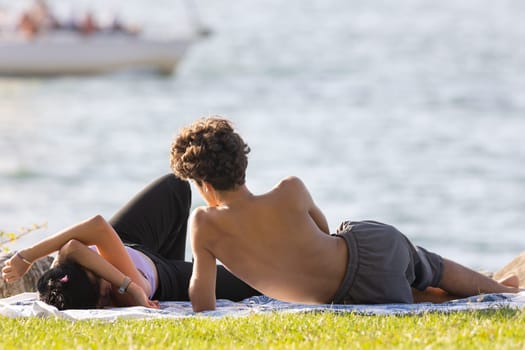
[407,112]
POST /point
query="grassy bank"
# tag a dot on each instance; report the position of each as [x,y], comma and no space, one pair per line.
[502,329]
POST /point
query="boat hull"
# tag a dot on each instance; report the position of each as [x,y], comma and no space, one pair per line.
[89,54]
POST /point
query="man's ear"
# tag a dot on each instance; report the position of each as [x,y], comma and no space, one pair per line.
[206,186]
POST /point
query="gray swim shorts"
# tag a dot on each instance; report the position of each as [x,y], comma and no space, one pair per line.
[383,265]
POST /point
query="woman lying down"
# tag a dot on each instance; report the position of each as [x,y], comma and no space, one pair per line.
[135,259]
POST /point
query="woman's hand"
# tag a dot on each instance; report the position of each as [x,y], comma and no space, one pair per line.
[140,298]
[14,269]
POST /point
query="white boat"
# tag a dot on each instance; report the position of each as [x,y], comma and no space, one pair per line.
[63,52]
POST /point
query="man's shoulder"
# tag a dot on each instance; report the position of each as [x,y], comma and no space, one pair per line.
[291,189]
[291,183]
[201,216]
[201,223]
[291,186]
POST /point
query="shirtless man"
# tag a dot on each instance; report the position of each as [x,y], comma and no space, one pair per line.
[280,244]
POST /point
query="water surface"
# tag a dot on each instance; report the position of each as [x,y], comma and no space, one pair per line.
[407,112]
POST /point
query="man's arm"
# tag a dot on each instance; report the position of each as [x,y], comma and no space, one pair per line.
[203,278]
[319,218]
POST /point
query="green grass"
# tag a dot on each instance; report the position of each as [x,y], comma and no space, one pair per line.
[501,329]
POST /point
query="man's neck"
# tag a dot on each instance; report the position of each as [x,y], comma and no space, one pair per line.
[231,198]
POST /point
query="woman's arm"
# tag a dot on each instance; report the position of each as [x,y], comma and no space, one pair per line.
[95,231]
[135,293]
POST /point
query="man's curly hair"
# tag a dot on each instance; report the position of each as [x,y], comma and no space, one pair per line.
[210,150]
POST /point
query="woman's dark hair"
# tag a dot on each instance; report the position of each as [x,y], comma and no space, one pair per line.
[67,286]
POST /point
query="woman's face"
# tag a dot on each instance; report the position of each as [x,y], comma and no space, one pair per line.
[104,289]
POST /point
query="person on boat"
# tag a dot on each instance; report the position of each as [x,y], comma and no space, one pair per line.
[136,258]
[280,243]
[43,16]
[26,26]
[36,20]
[117,26]
[88,25]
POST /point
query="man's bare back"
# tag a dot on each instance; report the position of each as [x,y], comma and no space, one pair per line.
[277,242]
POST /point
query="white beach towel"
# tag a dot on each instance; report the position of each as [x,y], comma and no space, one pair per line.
[27,305]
